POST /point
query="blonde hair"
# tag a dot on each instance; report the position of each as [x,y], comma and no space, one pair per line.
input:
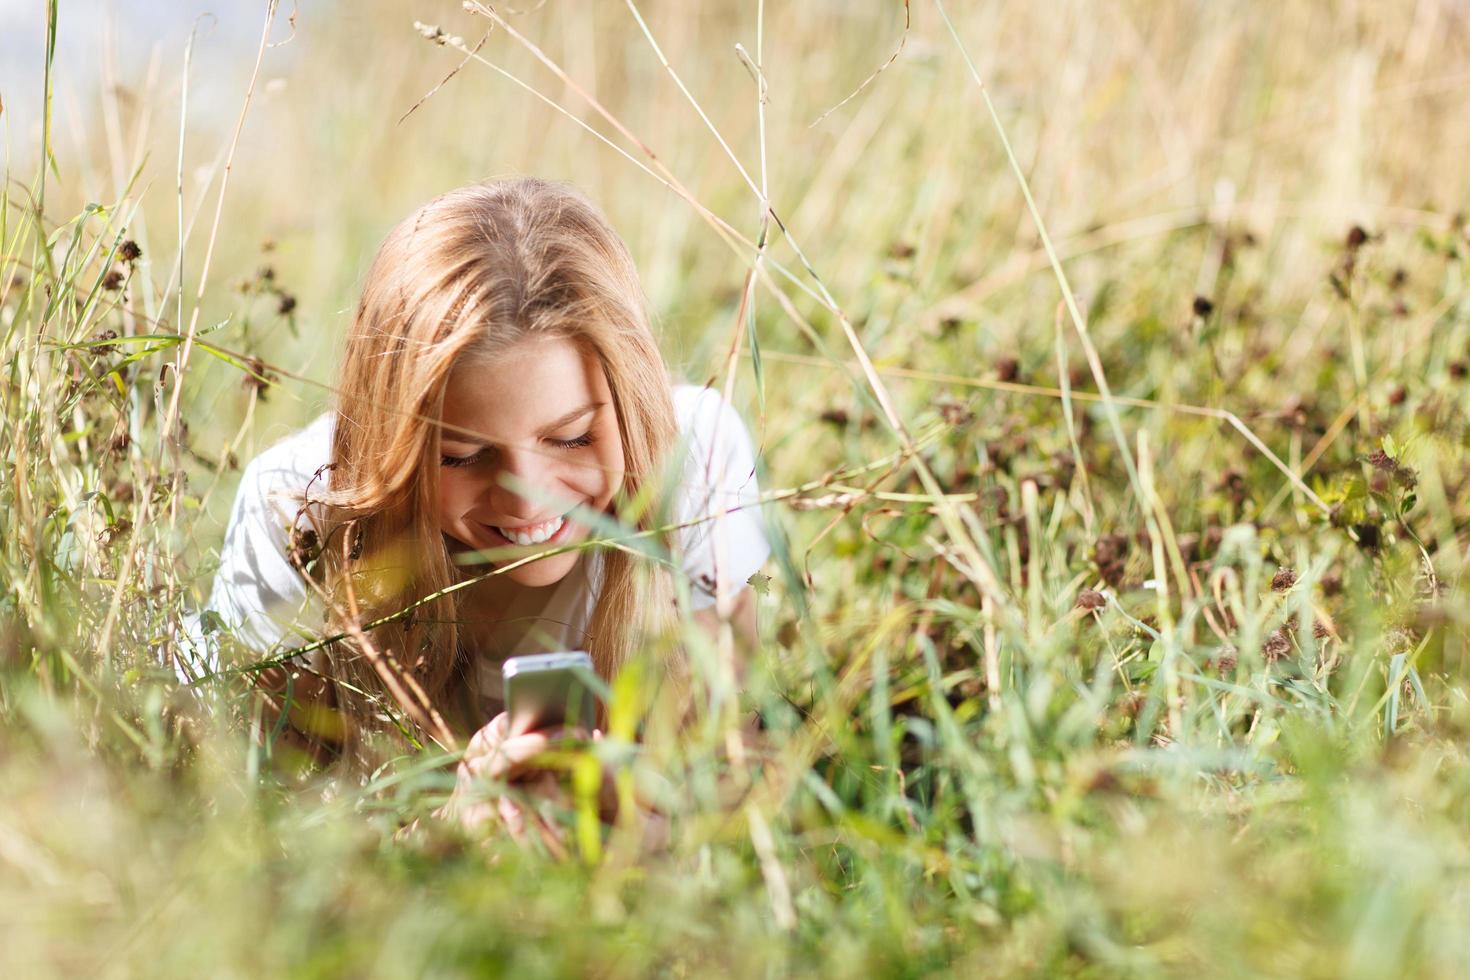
[470,273]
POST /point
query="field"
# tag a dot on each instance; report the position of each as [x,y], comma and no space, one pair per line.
[1109,362]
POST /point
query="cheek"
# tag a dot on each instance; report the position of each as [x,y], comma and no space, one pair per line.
[610,470]
[454,497]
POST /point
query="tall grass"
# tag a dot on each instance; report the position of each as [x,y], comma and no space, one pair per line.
[1114,628]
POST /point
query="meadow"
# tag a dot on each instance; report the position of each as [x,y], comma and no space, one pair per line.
[1109,364]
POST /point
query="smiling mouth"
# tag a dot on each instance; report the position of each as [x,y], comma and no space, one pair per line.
[529,534]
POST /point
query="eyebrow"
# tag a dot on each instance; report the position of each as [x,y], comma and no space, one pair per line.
[453,433]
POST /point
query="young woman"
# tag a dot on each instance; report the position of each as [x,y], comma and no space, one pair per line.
[501,392]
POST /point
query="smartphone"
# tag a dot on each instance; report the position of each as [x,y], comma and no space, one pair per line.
[546,690]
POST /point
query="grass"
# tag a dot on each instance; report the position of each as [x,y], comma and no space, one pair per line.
[1119,621]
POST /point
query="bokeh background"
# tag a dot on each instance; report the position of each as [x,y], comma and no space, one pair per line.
[1260,208]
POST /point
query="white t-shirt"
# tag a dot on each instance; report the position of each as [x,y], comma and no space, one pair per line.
[263,600]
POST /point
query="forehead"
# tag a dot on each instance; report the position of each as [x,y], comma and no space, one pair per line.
[515,393]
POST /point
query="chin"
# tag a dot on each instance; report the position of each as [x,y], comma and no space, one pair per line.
[548,571]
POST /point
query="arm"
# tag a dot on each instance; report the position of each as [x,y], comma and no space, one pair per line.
[259,595]
[310,703]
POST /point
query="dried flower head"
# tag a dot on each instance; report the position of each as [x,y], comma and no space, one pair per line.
[955,414]
[1227,661]
[1276,646]
[1090,599]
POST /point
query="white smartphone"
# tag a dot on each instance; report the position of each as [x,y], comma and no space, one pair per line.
[545,690]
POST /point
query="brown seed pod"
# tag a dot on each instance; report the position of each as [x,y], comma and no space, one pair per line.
[1203,306]
[1283,580]
[304,547]
[955,414]
[1381,460]
[115,531]
[1089,599]
[1228,660]
[257,377]
[129,251]
[1276,646]
[1370,537]
[836,416]
[1132,703]
[1233,484]
[1110,548]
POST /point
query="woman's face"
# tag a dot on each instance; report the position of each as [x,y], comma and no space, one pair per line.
[545,440]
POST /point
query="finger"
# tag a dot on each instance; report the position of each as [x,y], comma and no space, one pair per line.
[475,814]
[551,837]
[505,760]
[489,734]
[548,786]
[512,761]
[511,816]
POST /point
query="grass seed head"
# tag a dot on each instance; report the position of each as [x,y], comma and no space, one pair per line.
[1227,661]
[1090,599]
[1277,645]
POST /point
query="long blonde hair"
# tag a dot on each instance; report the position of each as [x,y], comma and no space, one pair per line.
[470,273]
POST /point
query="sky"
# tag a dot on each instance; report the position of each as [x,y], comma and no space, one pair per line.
[137,33]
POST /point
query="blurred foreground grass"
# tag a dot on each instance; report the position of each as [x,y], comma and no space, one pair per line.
[1208,716]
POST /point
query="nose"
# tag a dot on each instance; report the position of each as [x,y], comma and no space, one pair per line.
[520,486]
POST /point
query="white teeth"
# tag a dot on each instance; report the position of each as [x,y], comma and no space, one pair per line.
[535,534]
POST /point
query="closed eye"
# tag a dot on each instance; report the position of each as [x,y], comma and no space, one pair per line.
[462,460]
[580,442]
[585,439]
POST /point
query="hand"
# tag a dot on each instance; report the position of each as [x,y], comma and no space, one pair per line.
[497,754]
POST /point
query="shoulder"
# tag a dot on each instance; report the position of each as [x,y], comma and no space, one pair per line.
[722,532]
[276,482]
[705,420]
[292,461]
[257,591]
